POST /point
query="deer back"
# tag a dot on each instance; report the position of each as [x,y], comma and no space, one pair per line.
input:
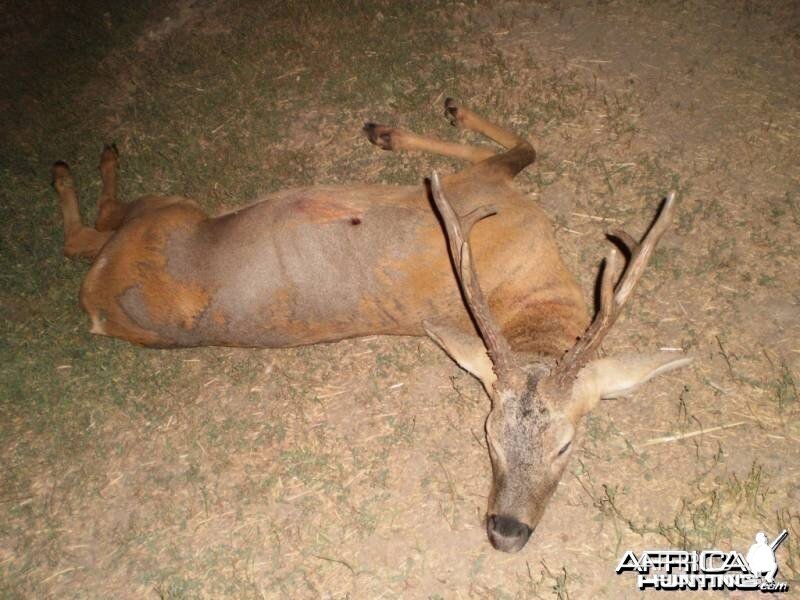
[321,264]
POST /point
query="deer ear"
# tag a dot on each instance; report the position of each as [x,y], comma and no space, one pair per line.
[616,376]
[466,349]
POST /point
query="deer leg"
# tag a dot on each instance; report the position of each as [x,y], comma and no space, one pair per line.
[110,211]
[79,240]
[520,152]
[391,138]
[464,117]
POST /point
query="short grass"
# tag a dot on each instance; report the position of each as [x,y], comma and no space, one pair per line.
[360,469]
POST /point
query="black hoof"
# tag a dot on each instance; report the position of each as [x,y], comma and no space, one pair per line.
[59,169]
[111,147]
[451,111]
[380,135]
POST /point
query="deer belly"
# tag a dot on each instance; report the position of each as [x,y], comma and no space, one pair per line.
[276,284]
[323,282]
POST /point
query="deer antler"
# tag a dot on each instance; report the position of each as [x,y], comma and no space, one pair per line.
[458,230]
[613,297]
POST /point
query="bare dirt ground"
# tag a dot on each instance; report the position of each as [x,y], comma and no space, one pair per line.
[359,469]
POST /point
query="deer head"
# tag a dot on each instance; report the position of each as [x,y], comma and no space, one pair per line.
[538,404]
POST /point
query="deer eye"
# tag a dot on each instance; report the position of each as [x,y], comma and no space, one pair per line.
[564,448]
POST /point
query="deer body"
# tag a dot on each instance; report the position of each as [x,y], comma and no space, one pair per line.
[320,264]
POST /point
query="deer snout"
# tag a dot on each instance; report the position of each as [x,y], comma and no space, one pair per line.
[507,533]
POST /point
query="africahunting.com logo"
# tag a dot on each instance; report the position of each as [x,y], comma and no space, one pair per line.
[708,569]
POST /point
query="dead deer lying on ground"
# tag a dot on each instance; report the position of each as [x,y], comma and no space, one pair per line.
[320,264]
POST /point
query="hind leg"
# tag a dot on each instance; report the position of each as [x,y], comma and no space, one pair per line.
[519,153]
[463,117]
[111,212]
[79,240]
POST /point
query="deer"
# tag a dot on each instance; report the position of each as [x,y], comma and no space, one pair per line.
[325,263]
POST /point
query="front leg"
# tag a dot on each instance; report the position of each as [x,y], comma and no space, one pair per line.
[391,138]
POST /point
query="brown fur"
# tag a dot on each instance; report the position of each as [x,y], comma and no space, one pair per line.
[326,263]
[320,264]
[538,403]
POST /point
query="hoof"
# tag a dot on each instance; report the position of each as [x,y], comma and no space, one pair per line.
[380,135]
[451,111]
[59,172]
[111,148]
[62,177]
[109,153]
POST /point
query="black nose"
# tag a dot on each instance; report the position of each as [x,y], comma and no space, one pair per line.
[506,533]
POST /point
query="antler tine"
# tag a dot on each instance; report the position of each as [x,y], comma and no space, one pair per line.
[613,297]
[458,230]
[627,240]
